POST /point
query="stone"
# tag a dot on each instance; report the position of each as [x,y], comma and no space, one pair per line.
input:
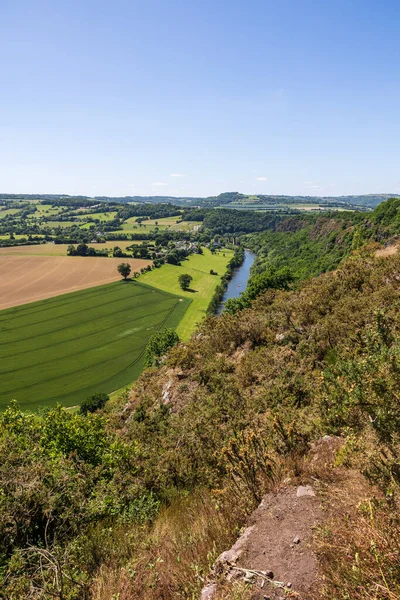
[249,577]
[269,574]
[232,555]
[296,540]
[208,592]
[305,490]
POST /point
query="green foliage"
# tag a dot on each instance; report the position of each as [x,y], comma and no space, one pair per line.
[269,279]
[185,281]
[124,269]
[158,345]
[59,475]
[93,403]
[309,250]
[387,213]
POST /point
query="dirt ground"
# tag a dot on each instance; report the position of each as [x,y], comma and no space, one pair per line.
[388,251]
[26,279]
[58,249]
[276,553]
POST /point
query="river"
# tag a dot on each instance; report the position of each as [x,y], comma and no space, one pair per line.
[239,280]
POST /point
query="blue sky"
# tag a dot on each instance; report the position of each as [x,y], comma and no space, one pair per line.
[196,98]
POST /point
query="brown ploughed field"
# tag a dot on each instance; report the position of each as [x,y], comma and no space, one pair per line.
[26,279]
[58,249]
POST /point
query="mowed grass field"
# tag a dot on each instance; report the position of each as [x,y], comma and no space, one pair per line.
[63,349]
[130,225]
[29,278]
[202,287]
[101,216]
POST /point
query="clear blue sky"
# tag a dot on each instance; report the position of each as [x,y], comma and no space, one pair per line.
[198,97]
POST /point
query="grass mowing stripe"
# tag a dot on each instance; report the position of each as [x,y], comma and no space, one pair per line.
[41,305]
[93,347]
[121,341]
[72,356]
[74,309]
[65,300]
[126,287]
[68,341]
[83,322]
[130,365]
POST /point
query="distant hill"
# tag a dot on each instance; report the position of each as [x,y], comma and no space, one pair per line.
[227,199]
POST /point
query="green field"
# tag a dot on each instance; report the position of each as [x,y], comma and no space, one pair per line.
[62,224]
[101,216]
[62,349]
[9,211]
[131,226]
[46,210]
[203,284]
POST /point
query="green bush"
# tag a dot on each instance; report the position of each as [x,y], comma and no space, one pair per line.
[158,345]
[93,403]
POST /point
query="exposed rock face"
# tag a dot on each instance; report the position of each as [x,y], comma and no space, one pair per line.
[304,490]
[230,557]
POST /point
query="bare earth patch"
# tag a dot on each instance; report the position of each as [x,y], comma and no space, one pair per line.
[388,251]
[58,249]
[276,555]
[26,279]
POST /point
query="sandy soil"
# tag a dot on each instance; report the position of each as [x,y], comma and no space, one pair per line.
[26,279]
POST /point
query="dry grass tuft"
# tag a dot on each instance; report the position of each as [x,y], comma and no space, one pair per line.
[360,555]
[174,558]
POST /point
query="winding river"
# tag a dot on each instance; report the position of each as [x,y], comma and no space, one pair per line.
[239,280]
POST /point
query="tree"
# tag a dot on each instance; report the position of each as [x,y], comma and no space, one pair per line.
[158,344]
[124,269]
[185,280]
[93,403]
[82,250]
[117,252]
[172,258]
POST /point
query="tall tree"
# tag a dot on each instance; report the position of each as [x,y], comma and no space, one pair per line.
[184,280]
[124,269]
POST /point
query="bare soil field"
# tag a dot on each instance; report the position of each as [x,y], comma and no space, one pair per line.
[26,279]
[58,249]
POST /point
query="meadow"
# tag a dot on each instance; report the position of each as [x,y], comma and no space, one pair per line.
[101,216]
[172,223]
[63,349]
[9,211]
[202,287]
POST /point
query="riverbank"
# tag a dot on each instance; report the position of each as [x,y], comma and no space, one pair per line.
[202,287]
[237,282]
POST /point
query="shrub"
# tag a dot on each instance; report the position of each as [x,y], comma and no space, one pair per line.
[158,345]
[93,403]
